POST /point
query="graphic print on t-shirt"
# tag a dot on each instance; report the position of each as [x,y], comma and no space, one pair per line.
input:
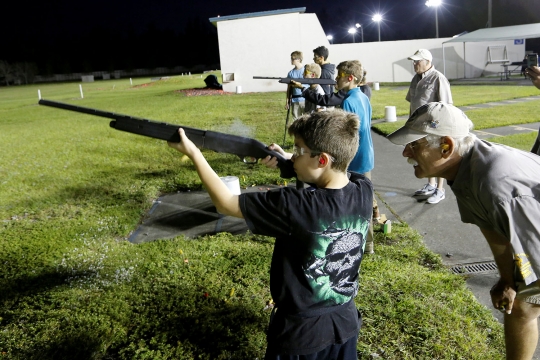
[332,269]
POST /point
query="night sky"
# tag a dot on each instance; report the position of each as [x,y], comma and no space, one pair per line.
[62,36]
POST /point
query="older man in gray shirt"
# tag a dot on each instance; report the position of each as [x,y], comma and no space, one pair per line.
[428,85]
[498,189]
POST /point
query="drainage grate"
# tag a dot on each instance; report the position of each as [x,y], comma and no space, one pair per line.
[476,268]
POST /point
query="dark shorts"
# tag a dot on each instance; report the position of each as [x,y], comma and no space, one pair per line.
[345,351]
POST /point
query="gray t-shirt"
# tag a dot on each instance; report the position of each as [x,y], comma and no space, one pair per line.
[498,188]
[428,87]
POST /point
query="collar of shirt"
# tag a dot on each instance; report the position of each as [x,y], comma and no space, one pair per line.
[429,71]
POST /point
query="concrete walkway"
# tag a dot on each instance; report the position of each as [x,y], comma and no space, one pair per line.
[461,246]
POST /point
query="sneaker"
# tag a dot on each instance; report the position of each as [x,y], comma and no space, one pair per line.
[425,191]
[437,196]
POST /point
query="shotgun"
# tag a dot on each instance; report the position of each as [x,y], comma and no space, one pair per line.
[248,150]
[308,81]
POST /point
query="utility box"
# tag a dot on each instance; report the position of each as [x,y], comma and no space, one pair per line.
[87,78]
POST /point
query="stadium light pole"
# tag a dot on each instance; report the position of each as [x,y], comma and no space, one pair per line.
[435,4]
[489,13]
[358,26]
[330,38]
[352,31]
[378,18]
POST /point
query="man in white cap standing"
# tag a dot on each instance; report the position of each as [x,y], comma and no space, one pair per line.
[498,189]
[428,85]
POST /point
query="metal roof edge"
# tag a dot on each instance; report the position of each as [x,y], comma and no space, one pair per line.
[499,28]
[214,20]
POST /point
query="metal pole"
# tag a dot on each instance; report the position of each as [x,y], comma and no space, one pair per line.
[353,37]
[489,13]
[379,26]
[362,32]
[436,23]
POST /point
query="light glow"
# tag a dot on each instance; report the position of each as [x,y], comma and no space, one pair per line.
[433,3]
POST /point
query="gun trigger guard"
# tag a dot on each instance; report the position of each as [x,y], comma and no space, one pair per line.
[251,160]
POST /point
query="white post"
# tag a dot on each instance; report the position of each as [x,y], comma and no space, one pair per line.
[190,73]
[130,81]
[80,88]
[39,94]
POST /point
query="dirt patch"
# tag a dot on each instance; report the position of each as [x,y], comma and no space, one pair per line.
[202,92]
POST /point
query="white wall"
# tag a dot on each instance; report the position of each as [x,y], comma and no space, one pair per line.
[261,46]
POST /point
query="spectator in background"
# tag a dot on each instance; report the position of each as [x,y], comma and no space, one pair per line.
[534,74]
[428,85]
[294,99]
[312,71]
[328,71]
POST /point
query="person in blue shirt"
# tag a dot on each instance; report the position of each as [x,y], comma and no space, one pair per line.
[294,96]
[350,75]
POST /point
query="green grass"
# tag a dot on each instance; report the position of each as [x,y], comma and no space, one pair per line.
[485,118]
[519,141]
[72,189]
[462,95]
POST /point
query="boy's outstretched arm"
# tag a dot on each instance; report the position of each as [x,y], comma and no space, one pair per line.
[226,203]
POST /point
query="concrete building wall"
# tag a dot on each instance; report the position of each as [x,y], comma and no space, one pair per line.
[261,46]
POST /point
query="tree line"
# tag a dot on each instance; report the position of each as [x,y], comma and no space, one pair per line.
[17,73]
[107,49]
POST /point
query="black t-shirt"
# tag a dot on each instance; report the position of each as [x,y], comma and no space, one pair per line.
[320,239]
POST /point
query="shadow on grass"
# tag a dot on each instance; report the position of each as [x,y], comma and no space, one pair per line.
[172,319]
[19,287]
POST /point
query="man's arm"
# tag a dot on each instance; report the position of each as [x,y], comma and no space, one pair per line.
[226,203]
[332,99]
[503,293]
[445,94]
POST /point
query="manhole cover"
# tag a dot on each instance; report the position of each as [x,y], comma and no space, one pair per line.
[476,268]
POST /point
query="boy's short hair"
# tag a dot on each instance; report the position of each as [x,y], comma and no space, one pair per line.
[321,51]
[297,55]
[314,68]
[364,79]
[353,67]
[333,132]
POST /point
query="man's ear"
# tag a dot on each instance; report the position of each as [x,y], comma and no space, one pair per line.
[447,146]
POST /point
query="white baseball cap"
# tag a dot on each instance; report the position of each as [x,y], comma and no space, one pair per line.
[436,118]
[421,54]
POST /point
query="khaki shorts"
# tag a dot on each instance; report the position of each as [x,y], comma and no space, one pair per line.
[528,293]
